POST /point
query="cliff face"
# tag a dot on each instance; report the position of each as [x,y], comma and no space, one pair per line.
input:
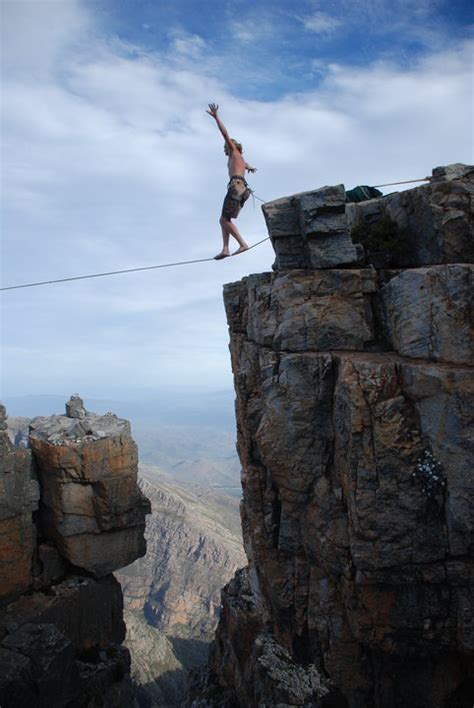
[355,420]
[70,514]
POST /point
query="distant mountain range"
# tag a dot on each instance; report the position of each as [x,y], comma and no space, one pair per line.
[170,407]
[189,436]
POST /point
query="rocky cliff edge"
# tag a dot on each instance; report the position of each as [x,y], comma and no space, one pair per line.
[70,514]
[354,373]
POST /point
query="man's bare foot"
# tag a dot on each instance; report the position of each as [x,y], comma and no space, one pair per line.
[221,255]
[241,250]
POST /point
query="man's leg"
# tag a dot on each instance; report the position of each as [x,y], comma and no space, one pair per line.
[225,242]
[230,228]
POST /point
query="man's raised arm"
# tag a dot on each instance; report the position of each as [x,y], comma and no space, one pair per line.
[213,108]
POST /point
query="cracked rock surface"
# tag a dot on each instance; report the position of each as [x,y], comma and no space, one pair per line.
[91,506]
[355,428]
[70,513]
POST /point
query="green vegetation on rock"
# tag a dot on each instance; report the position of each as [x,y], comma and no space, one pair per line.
[381,236]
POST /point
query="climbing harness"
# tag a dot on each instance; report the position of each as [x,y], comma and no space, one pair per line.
[128,270]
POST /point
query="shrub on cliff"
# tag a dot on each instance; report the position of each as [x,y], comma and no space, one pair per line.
[382,237]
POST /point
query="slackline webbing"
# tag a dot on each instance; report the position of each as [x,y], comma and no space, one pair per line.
[128,270]
[171,265]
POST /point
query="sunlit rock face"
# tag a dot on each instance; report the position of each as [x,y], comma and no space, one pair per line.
[70,513]
[311,230]
[91,506]
[355,421]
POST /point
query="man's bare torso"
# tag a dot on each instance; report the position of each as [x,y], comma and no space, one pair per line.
[236,164]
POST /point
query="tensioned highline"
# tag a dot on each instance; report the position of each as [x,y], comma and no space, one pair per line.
[119,272]
[168,265]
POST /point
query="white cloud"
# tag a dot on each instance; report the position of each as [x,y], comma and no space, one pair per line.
[400,21]
[319,66]
[111,162]
[321,23]
[34,33]
[189,45]
[259,26]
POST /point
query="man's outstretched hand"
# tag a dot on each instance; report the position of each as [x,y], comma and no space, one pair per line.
[213,108]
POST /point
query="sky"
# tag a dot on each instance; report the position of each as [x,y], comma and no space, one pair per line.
[109,161]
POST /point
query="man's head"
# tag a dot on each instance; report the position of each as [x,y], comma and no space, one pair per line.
[237,145]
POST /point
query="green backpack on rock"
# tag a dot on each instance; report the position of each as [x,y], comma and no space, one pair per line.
[362,194]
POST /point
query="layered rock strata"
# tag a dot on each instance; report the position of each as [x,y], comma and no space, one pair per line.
[70,513]
[91,506]
[355,422]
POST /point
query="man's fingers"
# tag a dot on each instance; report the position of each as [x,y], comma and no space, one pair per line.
[213,108]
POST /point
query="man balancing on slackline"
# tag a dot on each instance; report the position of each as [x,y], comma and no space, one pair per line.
[238,190]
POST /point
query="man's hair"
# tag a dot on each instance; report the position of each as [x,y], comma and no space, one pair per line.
[237,145]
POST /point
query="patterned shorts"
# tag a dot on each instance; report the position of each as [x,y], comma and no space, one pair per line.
[238,192]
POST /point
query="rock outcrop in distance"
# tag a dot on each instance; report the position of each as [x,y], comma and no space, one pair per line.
[355,423]
[70,513]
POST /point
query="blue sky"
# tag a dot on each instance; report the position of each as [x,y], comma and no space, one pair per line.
[109,161]
[282,47]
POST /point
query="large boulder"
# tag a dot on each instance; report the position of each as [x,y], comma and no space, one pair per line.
[91,506]
[428,313]
[301,310]
[310,230]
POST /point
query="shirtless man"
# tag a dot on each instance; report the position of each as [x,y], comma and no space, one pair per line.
[238,190]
